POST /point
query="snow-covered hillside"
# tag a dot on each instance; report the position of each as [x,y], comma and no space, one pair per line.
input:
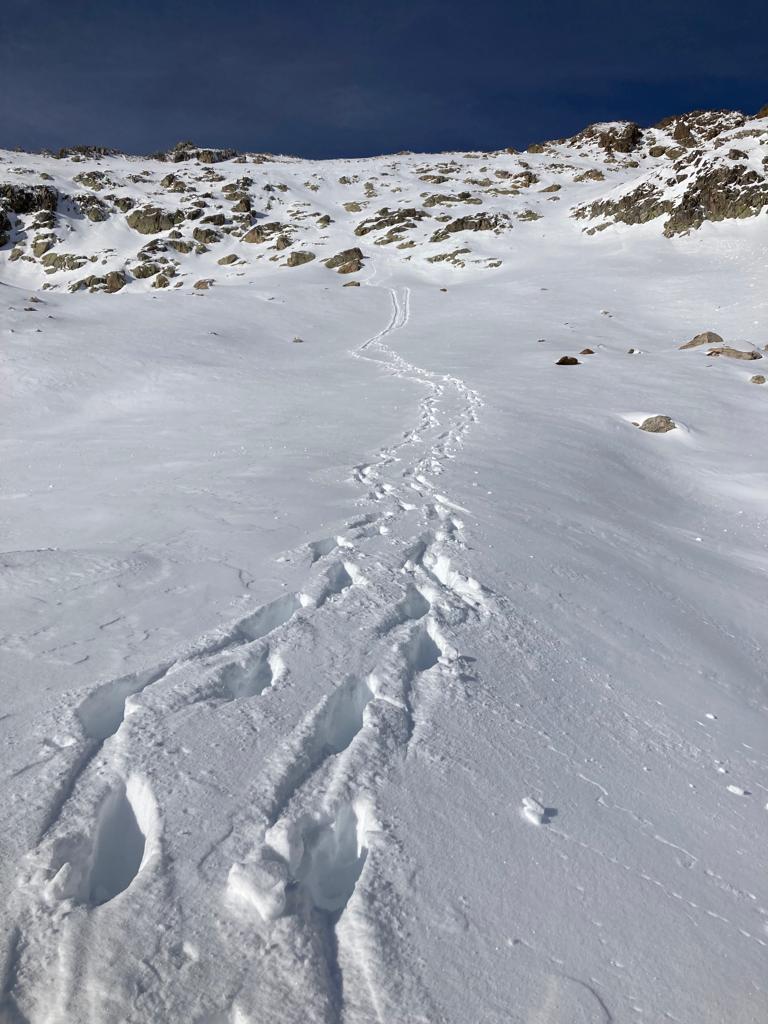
[360,663]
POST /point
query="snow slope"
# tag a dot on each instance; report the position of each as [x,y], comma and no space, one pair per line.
[394,676]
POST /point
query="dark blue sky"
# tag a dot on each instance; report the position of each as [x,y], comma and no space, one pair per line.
[336,78]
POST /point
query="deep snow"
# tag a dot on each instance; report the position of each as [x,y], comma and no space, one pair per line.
[394,676]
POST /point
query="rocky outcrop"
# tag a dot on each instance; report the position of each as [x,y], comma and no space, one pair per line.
[206,236]
[28,198]
[111,282]
[644,203]
[472,222]
[144,270]
[721,193]
[298,259]
[442,199]
[91,207]
[5,228]
[402,220]
[348,261]
[150,220]
[262,232]
[96,180]
[699,126]
[54,261]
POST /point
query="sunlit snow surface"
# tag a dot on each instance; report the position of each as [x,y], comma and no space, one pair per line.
[395,676]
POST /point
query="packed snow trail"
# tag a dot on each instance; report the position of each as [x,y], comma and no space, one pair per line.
[306,863]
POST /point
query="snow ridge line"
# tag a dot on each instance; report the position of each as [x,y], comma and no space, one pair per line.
[322,835]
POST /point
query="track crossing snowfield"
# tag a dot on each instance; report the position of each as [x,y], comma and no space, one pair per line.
[309,854]
[393,677]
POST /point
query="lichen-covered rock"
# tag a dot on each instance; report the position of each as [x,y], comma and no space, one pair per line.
[757,378]
[658,424]
[297,259]
[150,220]
[226,260]
[161,281]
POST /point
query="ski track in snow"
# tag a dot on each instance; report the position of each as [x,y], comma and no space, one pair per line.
[320,843]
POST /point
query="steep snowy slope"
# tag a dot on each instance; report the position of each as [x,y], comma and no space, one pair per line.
[393,675]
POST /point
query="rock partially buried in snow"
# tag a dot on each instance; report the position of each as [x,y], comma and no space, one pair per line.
[587,352]
[658,424]
[533,811]
[568,361]
[705,338]
[346,262]
[297,259]
[758,378]
[734,353]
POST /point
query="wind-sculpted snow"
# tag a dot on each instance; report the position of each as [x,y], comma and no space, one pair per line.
[361,664]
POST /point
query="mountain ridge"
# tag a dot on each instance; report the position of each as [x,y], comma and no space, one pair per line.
[204,211]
